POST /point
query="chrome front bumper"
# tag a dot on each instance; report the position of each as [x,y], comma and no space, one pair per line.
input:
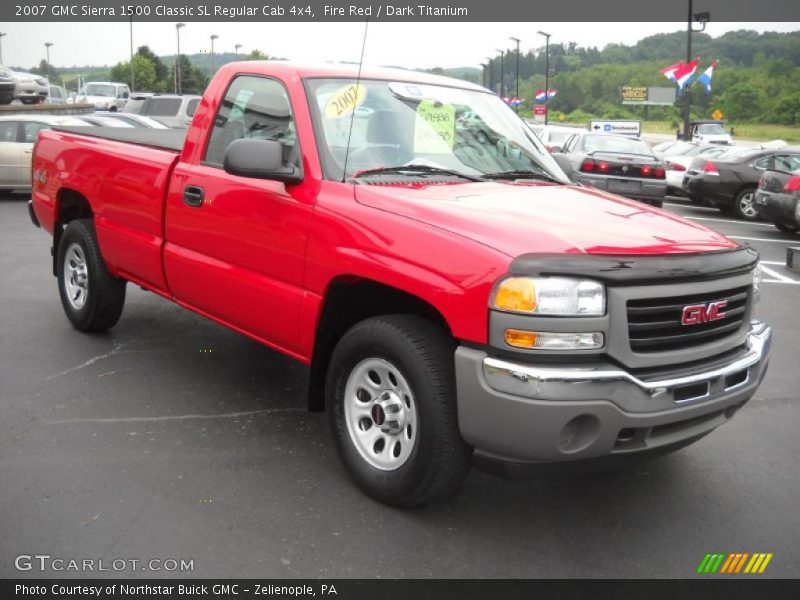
[527,413]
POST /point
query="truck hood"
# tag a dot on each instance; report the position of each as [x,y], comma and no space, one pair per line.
[518,218]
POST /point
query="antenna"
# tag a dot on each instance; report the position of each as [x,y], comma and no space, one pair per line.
[353,112]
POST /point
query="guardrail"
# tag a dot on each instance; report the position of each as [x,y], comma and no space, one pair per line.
[46,109]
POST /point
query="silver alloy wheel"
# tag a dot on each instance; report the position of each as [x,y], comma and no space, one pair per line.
[380,413]
[76,276]
[747,205]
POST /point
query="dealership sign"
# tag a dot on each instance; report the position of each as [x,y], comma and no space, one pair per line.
[633,128]
[647,96]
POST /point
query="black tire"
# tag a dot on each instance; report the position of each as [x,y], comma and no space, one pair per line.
[744,205]
[786,228]
[99,305]
[421,353]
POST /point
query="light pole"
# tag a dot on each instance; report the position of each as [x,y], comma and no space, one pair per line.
[516,68]
[236,48]
[133,77]
[178,27]
[214,36]
[47,67]
[2,35]
[546,73]
[491,73]
[502,72]
[702,18]
[483,75]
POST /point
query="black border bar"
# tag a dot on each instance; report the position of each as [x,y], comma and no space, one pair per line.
[589,11]
[734,587]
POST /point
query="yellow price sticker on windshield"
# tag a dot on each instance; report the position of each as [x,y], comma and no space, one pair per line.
[345,100]
[435,128]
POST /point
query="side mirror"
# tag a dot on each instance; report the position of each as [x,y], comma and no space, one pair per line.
[565,163]
[259,159]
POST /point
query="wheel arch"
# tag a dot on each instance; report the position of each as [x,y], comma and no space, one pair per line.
[70,205]
[349,299]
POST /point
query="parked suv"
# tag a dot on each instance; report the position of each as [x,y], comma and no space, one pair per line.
[105,95]
[172,110]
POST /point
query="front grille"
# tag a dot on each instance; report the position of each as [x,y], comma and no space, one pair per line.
[654,324]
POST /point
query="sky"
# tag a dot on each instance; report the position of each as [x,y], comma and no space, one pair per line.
[411,45]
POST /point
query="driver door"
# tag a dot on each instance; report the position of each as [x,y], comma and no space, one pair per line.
[236,245]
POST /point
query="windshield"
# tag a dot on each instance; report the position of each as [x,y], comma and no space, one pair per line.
[710,129]
[613,143]
[406,124]
[98,89]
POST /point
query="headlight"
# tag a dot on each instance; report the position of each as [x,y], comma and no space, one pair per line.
[40,81]
[550,296]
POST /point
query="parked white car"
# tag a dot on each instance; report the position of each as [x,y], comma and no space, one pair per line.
[17,135]
[677,163]
[104,95]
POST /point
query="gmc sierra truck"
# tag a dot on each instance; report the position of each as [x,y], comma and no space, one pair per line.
[458,299]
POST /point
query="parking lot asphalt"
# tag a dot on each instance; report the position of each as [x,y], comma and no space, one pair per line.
[173,437]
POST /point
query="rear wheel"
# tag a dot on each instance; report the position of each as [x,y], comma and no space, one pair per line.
[92,298]
[744,205]
[391,402]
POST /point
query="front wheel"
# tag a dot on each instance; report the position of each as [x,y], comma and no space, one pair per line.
[92,298]
[744,205]
[390,394]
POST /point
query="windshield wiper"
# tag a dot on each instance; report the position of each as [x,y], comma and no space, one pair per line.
[521,175]
[414,170]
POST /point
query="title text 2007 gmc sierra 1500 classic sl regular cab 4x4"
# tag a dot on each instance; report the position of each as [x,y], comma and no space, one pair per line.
[457,298]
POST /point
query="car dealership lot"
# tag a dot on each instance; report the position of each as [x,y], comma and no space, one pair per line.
[172,437]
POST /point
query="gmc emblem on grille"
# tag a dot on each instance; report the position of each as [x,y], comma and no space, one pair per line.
[703,313]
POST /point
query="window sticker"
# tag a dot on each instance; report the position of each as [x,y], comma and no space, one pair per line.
[434,128]
[344,101]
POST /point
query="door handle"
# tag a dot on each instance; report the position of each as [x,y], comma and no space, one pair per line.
[193,196]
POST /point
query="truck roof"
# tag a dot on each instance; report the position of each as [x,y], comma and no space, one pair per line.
[286,69]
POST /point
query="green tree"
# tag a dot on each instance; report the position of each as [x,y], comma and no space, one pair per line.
[46,70]
[256,54]
[144,73]
[743,102]
[193,80]
[161,70]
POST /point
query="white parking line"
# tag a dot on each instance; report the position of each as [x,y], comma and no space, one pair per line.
[752,239]
[776,277]
[731,221]
[689,205]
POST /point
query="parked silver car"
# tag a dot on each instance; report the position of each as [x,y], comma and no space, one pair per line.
[17,135]
[30,88]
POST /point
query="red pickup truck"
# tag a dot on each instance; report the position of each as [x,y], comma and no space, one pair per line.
[457,298]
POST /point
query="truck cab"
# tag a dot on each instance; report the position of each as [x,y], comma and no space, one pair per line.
[105,95]
[458,300]
[710,132]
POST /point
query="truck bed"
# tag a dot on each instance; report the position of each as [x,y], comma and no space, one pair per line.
[163,139]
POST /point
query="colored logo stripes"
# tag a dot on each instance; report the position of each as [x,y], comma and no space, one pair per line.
[735,563]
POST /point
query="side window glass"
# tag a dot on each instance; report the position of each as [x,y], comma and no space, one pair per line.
[763,163]
[30,130]
[787,162]
[8,131]
[254,107]
[191,106]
